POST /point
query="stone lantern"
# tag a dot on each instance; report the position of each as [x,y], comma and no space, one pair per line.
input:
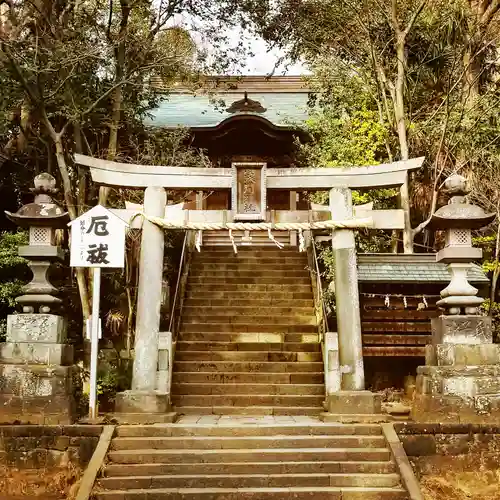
[459,218]
[35,360]
[41,218]
[460,382]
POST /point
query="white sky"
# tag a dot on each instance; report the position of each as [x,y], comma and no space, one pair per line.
[262,63]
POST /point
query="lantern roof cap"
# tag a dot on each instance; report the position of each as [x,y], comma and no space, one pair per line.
[43,211]
[459,214]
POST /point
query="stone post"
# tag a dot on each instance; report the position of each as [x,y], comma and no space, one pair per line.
[35,361]
[460,380]
[144,397]
[347,296]
[351,401]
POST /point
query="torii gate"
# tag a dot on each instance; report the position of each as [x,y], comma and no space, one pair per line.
[339,181]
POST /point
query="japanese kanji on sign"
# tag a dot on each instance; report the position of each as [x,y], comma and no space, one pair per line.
[97,240]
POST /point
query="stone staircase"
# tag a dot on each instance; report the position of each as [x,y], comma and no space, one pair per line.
[300,458]
[248,342]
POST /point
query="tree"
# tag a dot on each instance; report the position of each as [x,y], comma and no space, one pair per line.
[412,59]
[83,69]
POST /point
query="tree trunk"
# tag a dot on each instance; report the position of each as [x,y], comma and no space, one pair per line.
[472,75]
[80,273]
[117,97]
[115,120]
[400,116]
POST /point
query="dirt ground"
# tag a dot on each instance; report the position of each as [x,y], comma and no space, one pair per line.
[46,484]
[476,485]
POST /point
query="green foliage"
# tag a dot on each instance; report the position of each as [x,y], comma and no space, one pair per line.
[13,269]
[348,140]
[9,244]
[113,375]
[13,273]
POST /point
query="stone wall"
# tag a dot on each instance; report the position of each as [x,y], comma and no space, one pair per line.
[432,448]
[39,446]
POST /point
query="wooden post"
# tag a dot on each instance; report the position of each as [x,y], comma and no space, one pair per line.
[293,206]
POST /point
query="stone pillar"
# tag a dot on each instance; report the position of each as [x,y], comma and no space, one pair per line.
[351,403]
[347,294]
[144,397]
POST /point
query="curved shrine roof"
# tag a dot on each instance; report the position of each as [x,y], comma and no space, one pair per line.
[181,110]
[282,100]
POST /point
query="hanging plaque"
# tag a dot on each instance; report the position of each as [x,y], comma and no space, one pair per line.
[249,191]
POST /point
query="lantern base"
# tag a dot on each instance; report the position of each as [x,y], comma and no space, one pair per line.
[461,379]
[36,372]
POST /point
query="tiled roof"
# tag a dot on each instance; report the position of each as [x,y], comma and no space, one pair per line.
[183,110]
[400,272]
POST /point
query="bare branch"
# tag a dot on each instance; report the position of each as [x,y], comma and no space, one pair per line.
[394,17]
[414,17]
[110,20]
[492,9]
[381,6]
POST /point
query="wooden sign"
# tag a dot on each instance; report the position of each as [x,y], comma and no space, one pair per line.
[249,191]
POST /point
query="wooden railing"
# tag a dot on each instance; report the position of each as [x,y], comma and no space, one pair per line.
[180,286]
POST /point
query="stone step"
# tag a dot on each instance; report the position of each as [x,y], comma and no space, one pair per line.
[248,378]
[273,297]
[242,455]
[258,241]
[198,336]
[232,429]
[293,347]
[212,355]
[250,481]
[247,366]
[245,310]
[291,272]
[200,266]
[209,327]
[248,301]
[352,467]
[213,388]
[250,410]
[295,261]
[251,250]
[248,400]
[297,493]
[256,319]
[257,290]
[223,281]
[246,253]
[224,241]
[247,443]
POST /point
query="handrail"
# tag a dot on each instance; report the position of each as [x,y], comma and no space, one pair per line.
[319,286]
[177,286]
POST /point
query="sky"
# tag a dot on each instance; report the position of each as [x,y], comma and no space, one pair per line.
[262,63]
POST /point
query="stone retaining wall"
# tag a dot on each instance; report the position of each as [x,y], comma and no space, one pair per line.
[44,446]
[434,447]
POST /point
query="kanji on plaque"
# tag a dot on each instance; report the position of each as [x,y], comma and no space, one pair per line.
[98,239]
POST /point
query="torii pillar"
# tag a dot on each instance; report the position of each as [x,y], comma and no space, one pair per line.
[352,399]
[144,396]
